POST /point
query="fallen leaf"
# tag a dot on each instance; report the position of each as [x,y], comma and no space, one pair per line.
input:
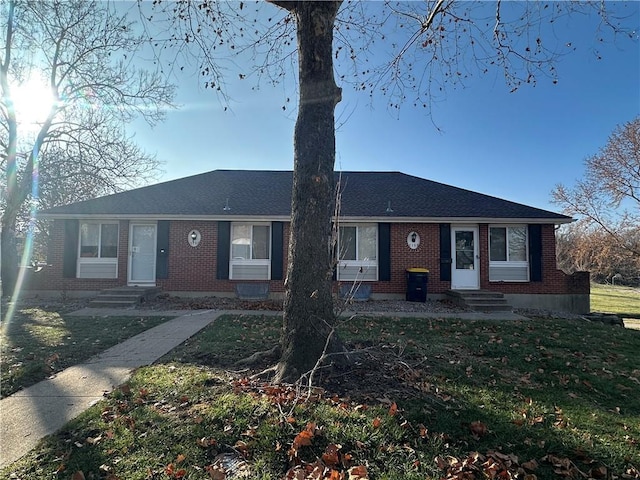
[93,440]
[599,472]
[478,428]
[303,439]
[78,476]
[331,455]
[335,475]
[206,442]
[377,422]
[358,473]
[216,472]
[242,447]
[52,359]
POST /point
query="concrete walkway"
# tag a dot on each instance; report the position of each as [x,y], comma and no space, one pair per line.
[40,410]
[505,315]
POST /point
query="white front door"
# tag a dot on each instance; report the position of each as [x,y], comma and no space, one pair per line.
[142,254]
[465,272]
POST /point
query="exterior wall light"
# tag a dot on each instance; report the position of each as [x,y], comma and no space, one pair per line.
[194,238]
[413,240]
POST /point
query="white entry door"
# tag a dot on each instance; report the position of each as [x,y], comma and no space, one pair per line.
[142,254]
[465,274]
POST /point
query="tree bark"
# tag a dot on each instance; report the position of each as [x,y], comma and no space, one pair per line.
[8,252]
[9,259]
[308,307]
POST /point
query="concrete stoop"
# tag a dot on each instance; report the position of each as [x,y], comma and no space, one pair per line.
[480,300]
[124,297]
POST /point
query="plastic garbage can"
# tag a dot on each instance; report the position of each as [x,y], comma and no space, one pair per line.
[417,279]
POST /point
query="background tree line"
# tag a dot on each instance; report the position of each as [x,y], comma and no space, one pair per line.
[606,201]
[580,248]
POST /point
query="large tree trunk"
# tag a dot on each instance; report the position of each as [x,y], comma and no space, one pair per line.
[308,307]
[9,258]
[18,190]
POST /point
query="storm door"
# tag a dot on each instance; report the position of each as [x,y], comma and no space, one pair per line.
[142,254]
[465,274]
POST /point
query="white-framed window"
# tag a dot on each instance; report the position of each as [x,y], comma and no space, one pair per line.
[250,251]
[508,253]
[358,252]
[98,250]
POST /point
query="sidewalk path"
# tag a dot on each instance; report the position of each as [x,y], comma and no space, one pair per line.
[40,410]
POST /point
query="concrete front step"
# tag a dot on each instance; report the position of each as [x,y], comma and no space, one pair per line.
[124,297]
[490,307]
[112,304]
[118,297]
[480,300]
[470,294]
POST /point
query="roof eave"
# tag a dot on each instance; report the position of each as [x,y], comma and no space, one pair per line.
[287,218]
[467,220]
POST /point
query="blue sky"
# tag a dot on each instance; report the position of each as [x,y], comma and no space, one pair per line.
[516,146]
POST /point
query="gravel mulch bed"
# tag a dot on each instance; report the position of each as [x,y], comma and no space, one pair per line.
[167,302]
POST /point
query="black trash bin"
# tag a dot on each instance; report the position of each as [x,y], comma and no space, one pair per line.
[417,279]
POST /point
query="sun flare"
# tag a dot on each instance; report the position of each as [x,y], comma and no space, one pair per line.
[32,101]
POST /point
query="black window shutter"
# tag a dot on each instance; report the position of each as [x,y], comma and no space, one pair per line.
[224,244]
[334,253]
[384,252]
[277,229]
[162,249]
[445,252]
[535,253]
[70,255]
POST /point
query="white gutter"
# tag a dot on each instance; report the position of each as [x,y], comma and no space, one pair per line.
[286,218]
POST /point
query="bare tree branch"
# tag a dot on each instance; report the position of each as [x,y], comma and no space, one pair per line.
[609,194]
[85,53]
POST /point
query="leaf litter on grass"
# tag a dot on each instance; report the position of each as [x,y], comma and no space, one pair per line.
[437,401]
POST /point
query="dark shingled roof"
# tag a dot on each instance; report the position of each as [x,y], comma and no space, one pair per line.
[268,193]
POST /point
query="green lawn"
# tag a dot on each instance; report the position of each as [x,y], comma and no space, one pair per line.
[38,342]
[426,399]
[623,301]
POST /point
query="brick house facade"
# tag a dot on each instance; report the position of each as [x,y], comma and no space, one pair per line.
[161,236]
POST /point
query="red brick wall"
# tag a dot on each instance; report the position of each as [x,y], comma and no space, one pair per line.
[427,255]
[193,269]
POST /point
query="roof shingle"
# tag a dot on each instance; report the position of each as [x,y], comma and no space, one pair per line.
[268,193]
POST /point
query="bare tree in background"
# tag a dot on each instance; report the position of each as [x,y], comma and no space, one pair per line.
[427,47]
[584,248]
[607,198]
[83,52]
